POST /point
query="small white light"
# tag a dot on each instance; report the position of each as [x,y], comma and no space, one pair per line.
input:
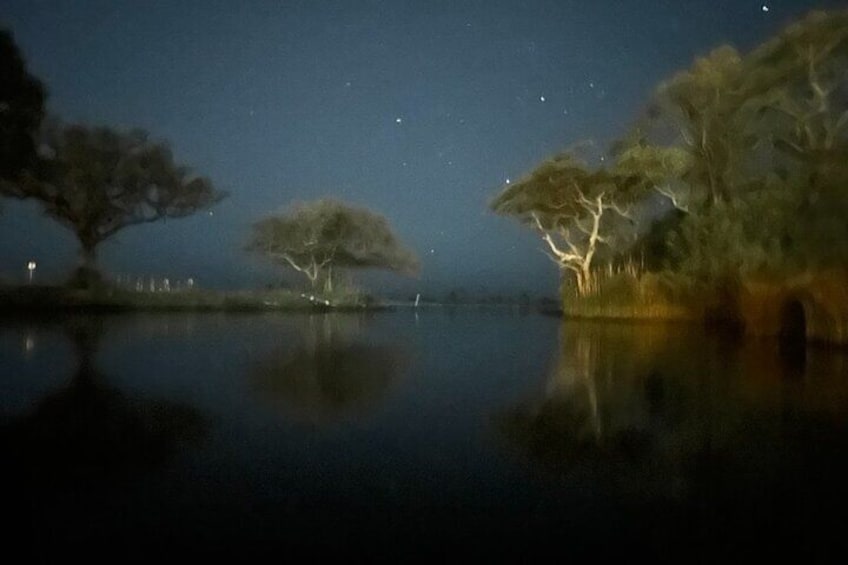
[765,8]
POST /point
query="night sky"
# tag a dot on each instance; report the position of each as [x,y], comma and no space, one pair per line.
[420,110]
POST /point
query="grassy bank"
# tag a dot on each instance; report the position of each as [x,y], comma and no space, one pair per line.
[623,296]
[811,306]
[44,298]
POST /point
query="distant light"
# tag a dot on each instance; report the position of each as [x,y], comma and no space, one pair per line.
[432,251]
[765,8]
[507,181]
[591,85]
[398,120]
[211,213]
[541,98]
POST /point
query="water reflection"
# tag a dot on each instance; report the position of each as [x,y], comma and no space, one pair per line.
[701,428]
[606,413]
[329,374]
[89,431]
[29,345]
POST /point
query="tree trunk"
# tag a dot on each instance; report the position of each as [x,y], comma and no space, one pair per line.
[584,280]
[86,275]
[88,258]
[328,282]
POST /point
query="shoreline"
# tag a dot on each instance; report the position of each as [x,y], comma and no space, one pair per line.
[54,299]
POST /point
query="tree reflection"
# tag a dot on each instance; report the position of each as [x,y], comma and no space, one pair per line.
[89,430]
[331,374]
[665,411]
[603,412]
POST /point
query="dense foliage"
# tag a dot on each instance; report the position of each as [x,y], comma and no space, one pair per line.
[749,154]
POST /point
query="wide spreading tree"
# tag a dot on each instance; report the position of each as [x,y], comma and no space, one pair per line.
[316,237]
[97,181]
[575,210]
[21,110]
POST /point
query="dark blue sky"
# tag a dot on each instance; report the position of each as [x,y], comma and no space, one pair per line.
[419,110]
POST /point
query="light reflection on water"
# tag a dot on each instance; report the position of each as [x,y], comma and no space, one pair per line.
[491,430]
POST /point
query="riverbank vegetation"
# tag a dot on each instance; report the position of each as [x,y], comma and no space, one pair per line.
[734,180]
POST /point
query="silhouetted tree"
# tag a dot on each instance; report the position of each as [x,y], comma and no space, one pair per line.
[21,110]
[314,237]
[98,181]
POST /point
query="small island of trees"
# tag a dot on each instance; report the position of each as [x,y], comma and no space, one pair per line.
[727,200]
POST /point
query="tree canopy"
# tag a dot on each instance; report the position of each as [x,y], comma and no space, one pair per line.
[98,181]
[21,110]
[574,209]
[766,138]
[315,237]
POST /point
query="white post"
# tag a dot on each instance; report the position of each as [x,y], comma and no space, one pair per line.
[417,299]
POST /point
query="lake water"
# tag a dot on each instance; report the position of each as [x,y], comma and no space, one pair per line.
[418,435]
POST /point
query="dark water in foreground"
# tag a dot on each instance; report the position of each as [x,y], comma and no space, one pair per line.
[495,433]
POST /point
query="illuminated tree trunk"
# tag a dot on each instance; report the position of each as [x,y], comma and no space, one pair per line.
[576,248]
[328,280]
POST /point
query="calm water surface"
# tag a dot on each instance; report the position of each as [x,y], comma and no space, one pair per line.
[495,432]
